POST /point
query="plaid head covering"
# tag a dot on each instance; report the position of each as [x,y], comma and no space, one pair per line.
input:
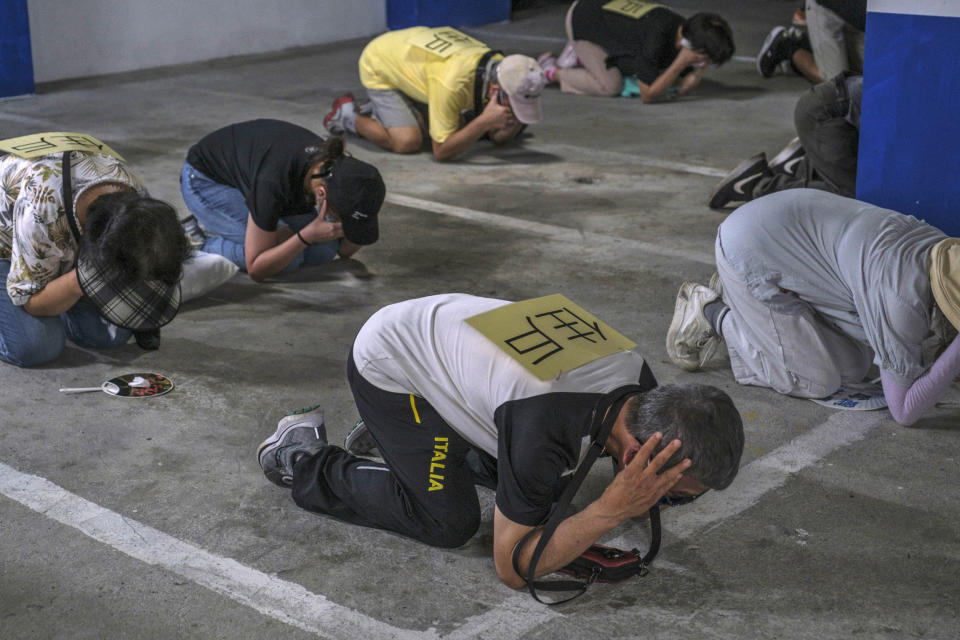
[128,302]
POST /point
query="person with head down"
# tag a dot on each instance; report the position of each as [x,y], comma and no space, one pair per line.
[85,253]
[271,196]
[441,84]
[448,408]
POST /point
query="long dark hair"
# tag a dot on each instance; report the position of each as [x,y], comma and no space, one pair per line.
[140,235]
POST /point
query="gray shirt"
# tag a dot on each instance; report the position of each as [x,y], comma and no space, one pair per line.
[863,268]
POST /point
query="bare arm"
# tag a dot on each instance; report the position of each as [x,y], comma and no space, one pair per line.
[631,493]
[907,404]
[690,81]
[268,252]
[495,117]
[685,58]
[58,296]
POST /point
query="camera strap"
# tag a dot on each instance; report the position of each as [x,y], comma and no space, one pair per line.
[605,414]
[481,79]
[68,195]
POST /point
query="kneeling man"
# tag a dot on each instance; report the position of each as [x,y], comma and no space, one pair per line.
[448,407]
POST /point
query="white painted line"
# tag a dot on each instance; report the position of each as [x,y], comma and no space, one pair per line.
[284,601]
[630,159]
[510,619]
[16,117]
[587,239]
[772,471]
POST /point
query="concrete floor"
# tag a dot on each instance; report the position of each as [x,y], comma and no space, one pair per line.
[151,518]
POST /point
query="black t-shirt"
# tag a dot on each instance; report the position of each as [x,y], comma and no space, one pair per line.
[266,160]
[540,442]
[641,48]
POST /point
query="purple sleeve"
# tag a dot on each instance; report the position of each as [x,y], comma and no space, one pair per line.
[907,404]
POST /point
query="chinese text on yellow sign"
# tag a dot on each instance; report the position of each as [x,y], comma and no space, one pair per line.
[549,335]
[42,144]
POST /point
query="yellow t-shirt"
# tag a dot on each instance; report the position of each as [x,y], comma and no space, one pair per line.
[434,65]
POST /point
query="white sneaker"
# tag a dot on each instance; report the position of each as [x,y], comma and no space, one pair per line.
[342,116]
[568,57]
[691,341]
[203,272]
[716,285]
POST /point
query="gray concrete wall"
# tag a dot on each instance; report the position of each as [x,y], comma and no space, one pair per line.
[93,37]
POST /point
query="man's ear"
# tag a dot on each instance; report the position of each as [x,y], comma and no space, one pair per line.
[631,451]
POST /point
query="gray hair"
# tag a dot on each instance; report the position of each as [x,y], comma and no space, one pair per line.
[705,421]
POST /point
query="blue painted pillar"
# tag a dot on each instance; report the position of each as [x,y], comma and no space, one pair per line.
[16,65]
[445,13]
[909,157]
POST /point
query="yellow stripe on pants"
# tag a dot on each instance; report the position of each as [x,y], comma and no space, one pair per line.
[414,407]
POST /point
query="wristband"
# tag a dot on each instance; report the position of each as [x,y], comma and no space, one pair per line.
[302,239]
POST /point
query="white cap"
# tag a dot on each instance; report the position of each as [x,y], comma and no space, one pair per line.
[522,80]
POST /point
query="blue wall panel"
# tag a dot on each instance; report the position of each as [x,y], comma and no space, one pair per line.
[16,65]
[909,157]
[441,13]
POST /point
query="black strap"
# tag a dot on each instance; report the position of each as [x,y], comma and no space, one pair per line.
[68,195]
[479,78]
[605,412]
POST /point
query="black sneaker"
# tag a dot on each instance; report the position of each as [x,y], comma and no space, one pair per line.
[299,433]
[739,184]
[777,48]
[148,340]
[787,161]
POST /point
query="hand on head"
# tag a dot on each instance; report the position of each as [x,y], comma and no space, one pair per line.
[321,230]
[497,115]
[643,481]
[690,58]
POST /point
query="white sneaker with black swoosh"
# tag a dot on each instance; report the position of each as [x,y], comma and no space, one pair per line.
[738,185]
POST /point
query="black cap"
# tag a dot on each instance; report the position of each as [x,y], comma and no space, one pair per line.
[356,191]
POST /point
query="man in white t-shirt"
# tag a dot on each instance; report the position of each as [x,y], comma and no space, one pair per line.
[446,407]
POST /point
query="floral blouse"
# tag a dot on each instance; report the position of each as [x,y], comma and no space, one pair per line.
[35,234]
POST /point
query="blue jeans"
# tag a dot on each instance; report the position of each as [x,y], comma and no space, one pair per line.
[27,340]
[222,213]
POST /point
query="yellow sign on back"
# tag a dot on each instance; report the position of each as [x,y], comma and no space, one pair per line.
[549,335]
[444,41]
[631,8]
[42,144]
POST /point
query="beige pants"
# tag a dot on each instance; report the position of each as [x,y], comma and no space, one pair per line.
[593,78]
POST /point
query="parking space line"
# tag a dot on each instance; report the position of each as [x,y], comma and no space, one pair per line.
[284,601]
[567,235]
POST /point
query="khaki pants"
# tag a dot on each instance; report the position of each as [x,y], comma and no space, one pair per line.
[593,78]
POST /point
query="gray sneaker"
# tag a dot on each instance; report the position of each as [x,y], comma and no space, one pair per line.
[299,433]
[691,341]
[359,442]
[193,231]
